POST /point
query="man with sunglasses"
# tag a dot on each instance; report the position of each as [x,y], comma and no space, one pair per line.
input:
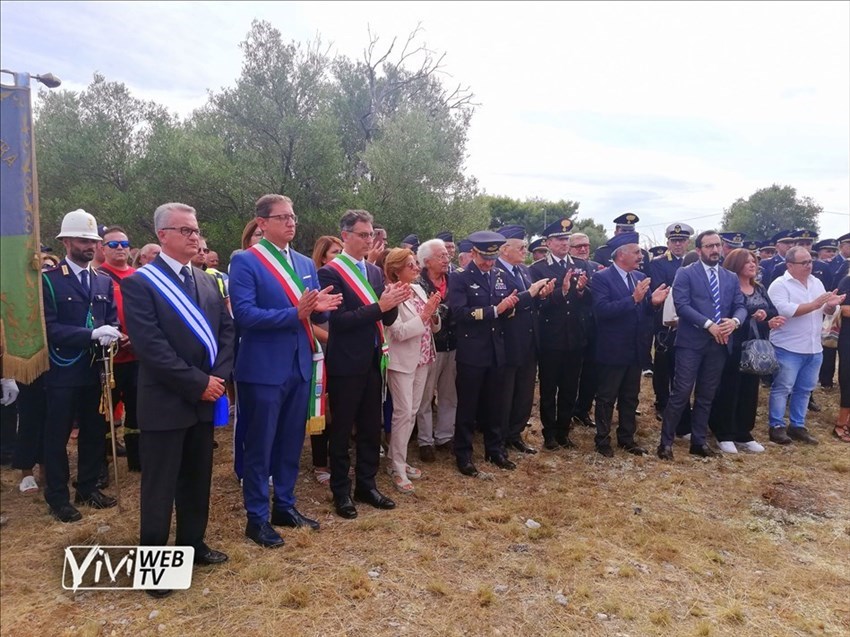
[801,298]
[116,252]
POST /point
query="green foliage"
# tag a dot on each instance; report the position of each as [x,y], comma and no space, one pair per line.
[534,214]
[769,210]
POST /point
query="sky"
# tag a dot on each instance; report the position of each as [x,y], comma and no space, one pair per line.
[670,110]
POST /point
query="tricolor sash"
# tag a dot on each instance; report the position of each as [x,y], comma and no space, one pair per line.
[187,309]
[352,275]
[281,270]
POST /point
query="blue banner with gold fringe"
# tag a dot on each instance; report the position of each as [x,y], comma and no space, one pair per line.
[22,333]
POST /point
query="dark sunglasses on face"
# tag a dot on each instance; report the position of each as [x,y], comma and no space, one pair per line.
[115,244]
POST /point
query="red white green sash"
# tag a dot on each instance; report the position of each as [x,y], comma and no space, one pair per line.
[352,275]
[271,259]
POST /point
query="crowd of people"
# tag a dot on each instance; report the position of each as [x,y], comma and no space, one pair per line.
[357,345]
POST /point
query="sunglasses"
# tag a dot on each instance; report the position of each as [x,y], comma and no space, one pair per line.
[115,244]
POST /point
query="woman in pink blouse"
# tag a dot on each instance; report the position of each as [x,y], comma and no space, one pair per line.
[411,343]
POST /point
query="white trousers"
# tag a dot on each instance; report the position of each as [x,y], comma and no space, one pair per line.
[441,378]
[406,390]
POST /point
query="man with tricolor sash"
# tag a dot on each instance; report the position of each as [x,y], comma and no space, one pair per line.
[280,369]
[357,359]
[183,337]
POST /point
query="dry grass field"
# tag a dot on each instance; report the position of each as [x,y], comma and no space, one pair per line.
[740,545]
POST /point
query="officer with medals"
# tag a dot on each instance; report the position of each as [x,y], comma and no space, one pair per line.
[662,270]
[564,330]
[79,311]
[520,331]
[480,302]
[624,223]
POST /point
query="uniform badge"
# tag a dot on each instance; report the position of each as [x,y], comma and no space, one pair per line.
[474,286]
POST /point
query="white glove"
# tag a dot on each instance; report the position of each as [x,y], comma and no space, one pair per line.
[105,334]
[10,391]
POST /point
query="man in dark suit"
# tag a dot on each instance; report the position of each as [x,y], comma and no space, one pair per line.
[710,307]
[79,311]
[356,347]
[480,302]
[520,331]
[563,334]
[184,359]
[622,307]
[274,292]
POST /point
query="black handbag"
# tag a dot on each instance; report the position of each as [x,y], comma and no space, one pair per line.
[757,354]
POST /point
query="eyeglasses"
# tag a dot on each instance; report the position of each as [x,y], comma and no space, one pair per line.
[186,232]
[285,218]
[114,244]
[204,250]
[362,235]
[412,265]
[803,263]
[578,246]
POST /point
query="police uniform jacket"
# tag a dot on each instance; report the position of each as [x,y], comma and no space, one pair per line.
[565,321]
[520,323]
[70,315]
[662,270]
[473,297]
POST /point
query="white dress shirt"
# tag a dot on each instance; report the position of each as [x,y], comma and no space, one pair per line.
[800,334]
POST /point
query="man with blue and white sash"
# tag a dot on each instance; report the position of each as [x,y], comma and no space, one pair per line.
[279,372]
[183,337]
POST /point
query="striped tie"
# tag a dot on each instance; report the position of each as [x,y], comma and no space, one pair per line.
[715,293]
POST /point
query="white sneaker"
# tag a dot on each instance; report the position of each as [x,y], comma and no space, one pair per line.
[28,485]
[727,446]
[752,446]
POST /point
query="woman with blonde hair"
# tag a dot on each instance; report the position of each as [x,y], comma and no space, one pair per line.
[412,352]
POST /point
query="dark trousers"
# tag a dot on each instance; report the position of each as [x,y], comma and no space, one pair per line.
[63,405]
[177,473]
[518,398]
[559,378]
[32,414]
[588,381]
[733,412]
[319,446]
[827,367]
[617,384]
[8,432]
[274,417]
[664,370]
[697,371]
[478,389]
[355,399]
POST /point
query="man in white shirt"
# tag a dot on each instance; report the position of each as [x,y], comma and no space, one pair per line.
[802,300]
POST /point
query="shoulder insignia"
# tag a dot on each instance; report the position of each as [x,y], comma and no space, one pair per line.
[65,271]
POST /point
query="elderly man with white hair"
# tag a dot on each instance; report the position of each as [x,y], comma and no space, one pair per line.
[434,260]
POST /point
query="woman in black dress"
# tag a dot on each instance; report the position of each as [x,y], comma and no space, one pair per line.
[842,427]
[733,412]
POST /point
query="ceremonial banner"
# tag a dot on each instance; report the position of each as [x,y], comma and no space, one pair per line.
[22,334]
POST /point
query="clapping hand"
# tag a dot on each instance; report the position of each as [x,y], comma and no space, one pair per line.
[507,303]
[430,307]
[325,301]
[394,295]
[834,299]
[641,289]
[660,295]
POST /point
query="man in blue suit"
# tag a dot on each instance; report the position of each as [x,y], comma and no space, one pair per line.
[622,308]
[274,291]
[710,307]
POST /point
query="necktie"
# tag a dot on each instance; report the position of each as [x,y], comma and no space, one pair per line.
[84,280]
[362,267]
[286,256]
[520,282]
[188,281]
[563,264]
[715,293]
[631,281]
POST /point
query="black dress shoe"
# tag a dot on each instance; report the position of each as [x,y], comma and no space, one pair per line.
[520,446]
[345,508]
[159,593]
[605,451]
[633,449]
[502,462]
[97,499]
[373,497]
[665,453]
[703,451]
[292,517]
[206,556]
[468,469]
[66,513]
[565,442]
[584,420]
[263,534]
[550,444]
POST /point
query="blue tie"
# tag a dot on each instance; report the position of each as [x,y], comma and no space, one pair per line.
[715,293]
[362,267]
[631,281]
[188,281]
[84,280]
[520,282]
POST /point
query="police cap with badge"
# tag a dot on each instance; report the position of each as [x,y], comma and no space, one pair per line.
[733,239]
[486,243]
[412,240]
[537,244]
[678,231]
[657,251]
[802,235]
[626,222]
[559,229]
[445,236]
[826,244]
